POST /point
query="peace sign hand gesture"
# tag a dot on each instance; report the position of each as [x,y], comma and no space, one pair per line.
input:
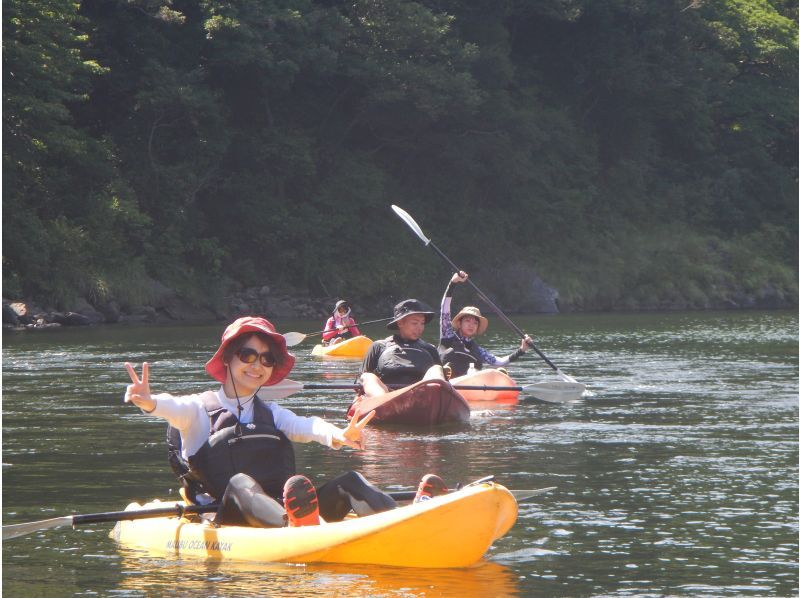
[138,392]
[353,434]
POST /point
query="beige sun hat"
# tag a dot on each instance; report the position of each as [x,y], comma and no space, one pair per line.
[475,313]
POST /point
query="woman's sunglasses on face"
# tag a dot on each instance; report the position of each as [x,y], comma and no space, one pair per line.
[248,355]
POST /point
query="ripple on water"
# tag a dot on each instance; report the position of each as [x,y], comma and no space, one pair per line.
[678,475]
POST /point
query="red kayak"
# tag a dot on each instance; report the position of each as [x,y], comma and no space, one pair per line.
[425,403]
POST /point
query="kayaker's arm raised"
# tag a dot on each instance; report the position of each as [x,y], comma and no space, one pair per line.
[445,323]
[138,392]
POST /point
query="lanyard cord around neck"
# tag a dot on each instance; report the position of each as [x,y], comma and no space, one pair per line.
[240,406]
[465,340]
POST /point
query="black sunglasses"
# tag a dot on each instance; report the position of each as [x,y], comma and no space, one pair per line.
[248,355]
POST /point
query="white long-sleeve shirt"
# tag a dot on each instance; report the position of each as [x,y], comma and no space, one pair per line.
[188,414]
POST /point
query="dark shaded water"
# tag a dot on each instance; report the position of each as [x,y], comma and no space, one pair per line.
[679,476]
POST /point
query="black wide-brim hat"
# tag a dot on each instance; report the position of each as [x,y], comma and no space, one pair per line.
[407,308]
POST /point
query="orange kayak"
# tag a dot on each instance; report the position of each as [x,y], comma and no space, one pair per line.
[425,403]
[487,377]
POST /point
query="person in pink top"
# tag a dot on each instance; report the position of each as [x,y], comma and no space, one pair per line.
[340,325]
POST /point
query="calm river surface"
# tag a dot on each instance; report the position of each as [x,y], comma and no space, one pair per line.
[678,476]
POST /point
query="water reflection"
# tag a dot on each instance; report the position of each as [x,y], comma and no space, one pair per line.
[678,476]
[144,576]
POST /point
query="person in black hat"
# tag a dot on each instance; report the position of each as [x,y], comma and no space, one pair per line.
[340,325]
[403,358]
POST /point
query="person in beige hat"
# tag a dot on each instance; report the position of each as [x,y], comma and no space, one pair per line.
[457,347]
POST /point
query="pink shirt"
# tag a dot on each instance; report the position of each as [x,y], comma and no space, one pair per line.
[333,321]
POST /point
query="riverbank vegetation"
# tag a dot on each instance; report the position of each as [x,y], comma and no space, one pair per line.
[635,154]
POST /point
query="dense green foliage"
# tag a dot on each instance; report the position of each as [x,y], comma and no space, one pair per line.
[636,154]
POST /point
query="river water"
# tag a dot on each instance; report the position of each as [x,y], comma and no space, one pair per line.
[677,476]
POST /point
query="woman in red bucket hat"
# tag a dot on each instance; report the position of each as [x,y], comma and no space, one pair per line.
[211,431]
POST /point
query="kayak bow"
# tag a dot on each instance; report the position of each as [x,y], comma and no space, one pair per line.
[352,348]
[424,403]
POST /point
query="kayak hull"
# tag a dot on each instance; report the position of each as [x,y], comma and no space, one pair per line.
[351,348]
[425,403]
[487,377]
[454,530]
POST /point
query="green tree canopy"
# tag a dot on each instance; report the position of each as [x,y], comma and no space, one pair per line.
[633,153]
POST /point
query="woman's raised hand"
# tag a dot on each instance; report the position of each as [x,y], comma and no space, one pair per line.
[138,392]
[353,434]
[459,276]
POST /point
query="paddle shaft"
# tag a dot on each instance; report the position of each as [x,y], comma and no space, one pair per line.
[351,326]
[175,510]
[16,530]
[358,386]
[519,495]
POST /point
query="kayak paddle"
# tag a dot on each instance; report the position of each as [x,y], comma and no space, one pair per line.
[20,529]
[519,495]
[15,530]
[549,392]
[406,217]
[295,338]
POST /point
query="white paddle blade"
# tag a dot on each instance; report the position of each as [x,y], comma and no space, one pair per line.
[294,338]
[281,390]
[15,530]
[556,392]
[523,495]
[411,223]
[565,377]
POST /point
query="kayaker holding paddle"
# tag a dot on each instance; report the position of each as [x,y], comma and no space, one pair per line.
[457,347]
[403,358]
[233,446]
[340,325]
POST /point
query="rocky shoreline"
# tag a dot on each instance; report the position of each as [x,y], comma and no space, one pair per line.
[525,292]
[169,308]
[166,306]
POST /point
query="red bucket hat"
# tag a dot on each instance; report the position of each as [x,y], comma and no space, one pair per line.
[216,368]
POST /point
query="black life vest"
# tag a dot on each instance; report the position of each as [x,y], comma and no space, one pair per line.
[404,362]
[459,354]
[258,449]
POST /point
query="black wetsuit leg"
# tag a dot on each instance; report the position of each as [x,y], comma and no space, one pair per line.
[246,503]
[351,491]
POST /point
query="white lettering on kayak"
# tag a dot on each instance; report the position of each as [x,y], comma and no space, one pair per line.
[198,545]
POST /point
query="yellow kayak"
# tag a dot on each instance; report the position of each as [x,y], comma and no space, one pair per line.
[354,348]
[454,530]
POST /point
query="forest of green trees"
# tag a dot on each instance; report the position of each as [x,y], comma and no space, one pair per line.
[634,153]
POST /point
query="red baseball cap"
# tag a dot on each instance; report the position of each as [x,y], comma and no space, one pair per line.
[216,368]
